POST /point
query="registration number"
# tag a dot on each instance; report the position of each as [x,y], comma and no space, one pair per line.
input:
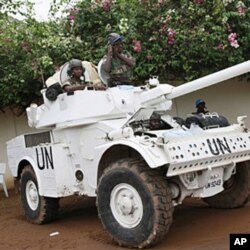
[215,183]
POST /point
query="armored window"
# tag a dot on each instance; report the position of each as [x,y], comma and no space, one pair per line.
[32,140]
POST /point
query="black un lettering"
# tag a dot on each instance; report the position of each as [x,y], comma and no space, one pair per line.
[44,158]
[218,146]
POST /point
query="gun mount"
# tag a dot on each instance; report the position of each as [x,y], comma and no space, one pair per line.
[103,144]
[119,102]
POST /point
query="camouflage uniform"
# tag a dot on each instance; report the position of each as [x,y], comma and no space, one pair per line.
[120,72]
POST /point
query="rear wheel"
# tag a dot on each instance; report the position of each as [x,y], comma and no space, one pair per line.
[37,209]
[236,189]
[134,204]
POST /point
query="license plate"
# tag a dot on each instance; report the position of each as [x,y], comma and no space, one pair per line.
[215,183]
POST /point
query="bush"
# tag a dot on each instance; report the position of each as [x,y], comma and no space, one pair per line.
[177,40]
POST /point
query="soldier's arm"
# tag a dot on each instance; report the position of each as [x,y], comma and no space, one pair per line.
[69,88]
[129,60]
[108,59]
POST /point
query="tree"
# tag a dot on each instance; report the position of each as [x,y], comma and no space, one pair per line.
[30,52]
[177,40]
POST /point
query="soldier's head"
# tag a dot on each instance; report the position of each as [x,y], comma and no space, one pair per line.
[200,104]
[75,68]
[116,41]
[155,121]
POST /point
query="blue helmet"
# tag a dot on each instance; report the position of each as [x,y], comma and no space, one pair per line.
[113,38]
[198,102]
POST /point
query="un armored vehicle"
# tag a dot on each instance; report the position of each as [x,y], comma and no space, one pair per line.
[101,144]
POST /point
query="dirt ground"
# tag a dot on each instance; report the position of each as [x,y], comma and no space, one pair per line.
[195,227]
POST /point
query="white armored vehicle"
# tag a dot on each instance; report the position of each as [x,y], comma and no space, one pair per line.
[101,144]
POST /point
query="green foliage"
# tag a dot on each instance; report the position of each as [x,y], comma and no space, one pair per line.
[177,40]
[30,52]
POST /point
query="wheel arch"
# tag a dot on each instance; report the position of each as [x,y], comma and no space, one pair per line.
[22,164]
[123,150]
[114,153]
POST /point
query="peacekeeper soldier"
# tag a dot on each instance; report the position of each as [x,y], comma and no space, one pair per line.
[77,79]
[118,62]
[200,107]
[76,74]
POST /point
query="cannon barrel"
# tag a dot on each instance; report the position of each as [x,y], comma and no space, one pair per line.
[209,80]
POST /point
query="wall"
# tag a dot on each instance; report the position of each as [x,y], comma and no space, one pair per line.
[10,126]
[230,99]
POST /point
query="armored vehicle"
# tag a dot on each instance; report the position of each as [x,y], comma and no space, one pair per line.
[102,144]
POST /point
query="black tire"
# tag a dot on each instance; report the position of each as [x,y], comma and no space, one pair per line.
[236,190]
[156,204]
[37,209]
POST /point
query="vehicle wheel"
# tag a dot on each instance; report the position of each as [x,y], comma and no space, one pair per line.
[37,209]
[134,204]
[236,190]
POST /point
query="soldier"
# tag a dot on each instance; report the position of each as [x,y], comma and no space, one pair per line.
[155,122]
[201,107]
[118,62]
[76,74]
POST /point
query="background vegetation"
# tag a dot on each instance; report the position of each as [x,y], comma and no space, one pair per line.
[177,40]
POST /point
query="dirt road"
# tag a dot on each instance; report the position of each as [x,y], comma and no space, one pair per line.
[195,227]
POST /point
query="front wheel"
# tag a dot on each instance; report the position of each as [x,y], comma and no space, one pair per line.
[134,204]
[37,209]
[236,190]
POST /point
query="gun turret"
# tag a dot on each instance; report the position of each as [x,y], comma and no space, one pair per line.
[85,107]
